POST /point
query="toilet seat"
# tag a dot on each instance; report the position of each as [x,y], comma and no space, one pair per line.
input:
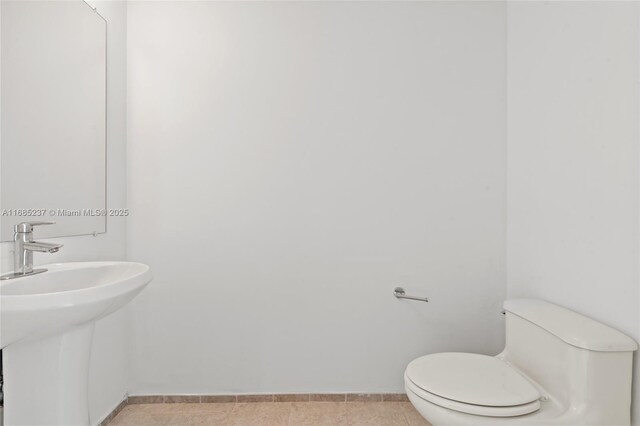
[472,383]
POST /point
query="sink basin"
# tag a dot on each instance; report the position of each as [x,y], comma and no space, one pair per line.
[67,294]
[46,328]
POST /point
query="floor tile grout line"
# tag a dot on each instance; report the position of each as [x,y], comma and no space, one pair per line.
[226,416]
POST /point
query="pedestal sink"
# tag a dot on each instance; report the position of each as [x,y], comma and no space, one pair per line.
[46,329]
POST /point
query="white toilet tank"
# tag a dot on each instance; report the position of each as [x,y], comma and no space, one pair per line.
[584,364]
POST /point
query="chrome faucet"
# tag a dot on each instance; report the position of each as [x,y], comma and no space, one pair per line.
[23,248]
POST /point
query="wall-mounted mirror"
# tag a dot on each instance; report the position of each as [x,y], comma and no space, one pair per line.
[53,117]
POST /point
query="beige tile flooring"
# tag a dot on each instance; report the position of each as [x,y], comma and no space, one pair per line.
[270,414]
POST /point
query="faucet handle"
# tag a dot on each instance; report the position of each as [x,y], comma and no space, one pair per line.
[25,227]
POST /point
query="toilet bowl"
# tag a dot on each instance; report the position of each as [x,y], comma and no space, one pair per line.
[558,368]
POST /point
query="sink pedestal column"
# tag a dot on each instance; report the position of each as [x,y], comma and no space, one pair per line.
[46,379]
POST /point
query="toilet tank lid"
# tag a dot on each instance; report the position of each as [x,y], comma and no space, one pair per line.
[572,327]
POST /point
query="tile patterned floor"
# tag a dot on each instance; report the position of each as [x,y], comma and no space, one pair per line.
[271,414]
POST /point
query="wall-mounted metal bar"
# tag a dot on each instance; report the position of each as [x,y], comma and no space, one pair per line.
[400,294]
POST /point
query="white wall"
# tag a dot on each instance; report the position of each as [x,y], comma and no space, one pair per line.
[573,159]
[289,165]
[108,375]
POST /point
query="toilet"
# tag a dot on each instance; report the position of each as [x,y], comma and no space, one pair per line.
[557,368]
